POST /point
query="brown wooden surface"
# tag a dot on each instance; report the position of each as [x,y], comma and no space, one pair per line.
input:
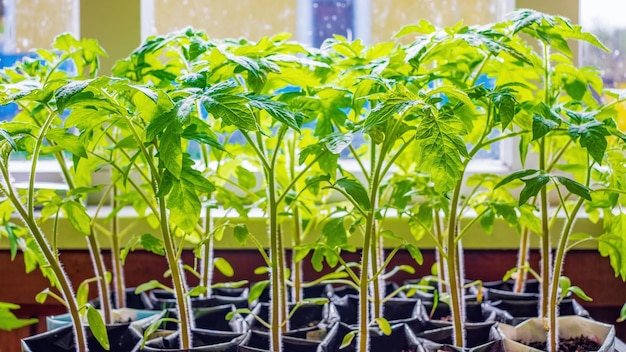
[586,269]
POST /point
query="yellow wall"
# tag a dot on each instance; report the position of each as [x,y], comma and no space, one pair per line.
[37,22]
[252,19]
[395,14]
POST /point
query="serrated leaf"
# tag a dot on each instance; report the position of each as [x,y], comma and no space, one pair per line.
[514,176]
[97,327]
[232,109]
[184,205]
[8,320]
[78,217]
[542,126]
[278,110]
[575,187]
[67,141]
[223,266]
[335,232]
[240,231]
[439,139]
[356,190]
[170,150]
[152,244]
[337,142]
[67,92]
[246,178]
[415,253]
[487,220]
[532,187]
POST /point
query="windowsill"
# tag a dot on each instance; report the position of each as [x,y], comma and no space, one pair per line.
[503,236]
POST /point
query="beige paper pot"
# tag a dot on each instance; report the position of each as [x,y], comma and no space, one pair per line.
[569,326]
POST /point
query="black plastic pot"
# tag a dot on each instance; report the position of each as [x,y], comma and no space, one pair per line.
[121,337]
[133,300]
[521,310]
[202,341]
[260,342]
[307,317]
[400,340]
[210,318]
[395,310]
[162,299]
[474,312]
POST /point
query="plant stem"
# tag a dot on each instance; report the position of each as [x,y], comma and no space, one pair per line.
[543,200]
[553,336]
[276,298]
[206,272]
[296,266]
[453,275]
[522,261]
[118,268]
[100,271]
[184,312]
[63,282]
[440,260]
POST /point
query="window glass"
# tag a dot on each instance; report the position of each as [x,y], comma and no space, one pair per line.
[30,24]
[605,18]
[312,21]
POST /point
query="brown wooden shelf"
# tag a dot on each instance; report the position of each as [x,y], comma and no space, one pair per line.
[586,268]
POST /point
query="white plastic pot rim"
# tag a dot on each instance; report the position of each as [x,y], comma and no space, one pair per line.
[569,326]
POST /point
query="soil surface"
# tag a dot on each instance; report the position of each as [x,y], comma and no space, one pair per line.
[574,344]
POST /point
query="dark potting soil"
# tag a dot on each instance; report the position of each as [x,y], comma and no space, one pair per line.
[574,344]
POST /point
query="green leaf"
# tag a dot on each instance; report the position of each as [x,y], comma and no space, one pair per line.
[67,92]
[575,187]
[516,175]
[335,232]
[533,186]
[67,141]
[487,220]
[170,150]
[97,327]
[223,266]
[257,289]
[347,339]
[356,190]
[232,109]
[541,126]
[580,293]
[240,231]
[246,178]
[591,132]
[151,285]
[78,217]
[439,139]
[415,253]
[8,320]
[277,109]
[622,314]
[152,244]
[395,102]
[384,325]
[337,142]
[184,206]
[82,293]
[197,291]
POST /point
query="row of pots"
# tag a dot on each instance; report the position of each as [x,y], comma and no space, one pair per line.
[415,325]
